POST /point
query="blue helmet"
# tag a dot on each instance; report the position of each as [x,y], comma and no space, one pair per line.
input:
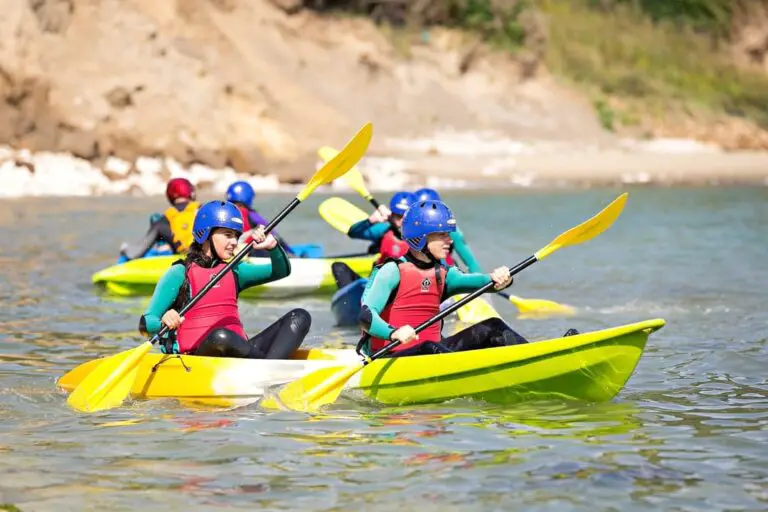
[241,192]
[400,202]
[423,218]
[427,194]
[216,214]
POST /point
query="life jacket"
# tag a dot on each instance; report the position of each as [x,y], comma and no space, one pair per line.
[244,213]
[217,309]
[181,223]
[391,247]
[416,300]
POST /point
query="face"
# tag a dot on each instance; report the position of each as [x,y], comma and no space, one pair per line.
[224,242]
[396,220]
[439,244]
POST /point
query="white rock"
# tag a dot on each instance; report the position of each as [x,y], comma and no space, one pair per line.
[117,166]
[148,165]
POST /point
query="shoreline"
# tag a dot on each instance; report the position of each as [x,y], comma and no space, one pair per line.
[398,164]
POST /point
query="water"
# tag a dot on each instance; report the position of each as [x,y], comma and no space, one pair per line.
[688,432]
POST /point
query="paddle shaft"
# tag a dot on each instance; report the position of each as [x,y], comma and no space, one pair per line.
[238,257]
[455,306]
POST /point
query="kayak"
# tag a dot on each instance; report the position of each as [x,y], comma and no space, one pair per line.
[299,250]
[591,366]
[308,276]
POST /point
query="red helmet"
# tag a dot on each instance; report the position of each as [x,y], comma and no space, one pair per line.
[179,187]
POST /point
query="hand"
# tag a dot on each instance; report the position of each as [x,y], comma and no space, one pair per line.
[404,334]
[172,319]
[501,278]
[262,241]
[381,214]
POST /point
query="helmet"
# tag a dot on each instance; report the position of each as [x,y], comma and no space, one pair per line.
[400,202]
[426,217]
[241,192]
[179,187]
[216,214]
[427,194]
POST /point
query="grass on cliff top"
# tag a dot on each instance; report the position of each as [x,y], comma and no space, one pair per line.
[624,54]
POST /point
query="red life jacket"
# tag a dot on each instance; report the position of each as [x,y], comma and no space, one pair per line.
[217,309]
[417,300]
[392,247]
[244,213]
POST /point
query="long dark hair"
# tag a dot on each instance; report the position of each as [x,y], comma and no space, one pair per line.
[194,255]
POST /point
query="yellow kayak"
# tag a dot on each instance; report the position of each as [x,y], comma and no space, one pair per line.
[592,366]
[308,276]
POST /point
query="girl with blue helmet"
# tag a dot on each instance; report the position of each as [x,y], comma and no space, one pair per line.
[407,291]
[212,327]
[241,194]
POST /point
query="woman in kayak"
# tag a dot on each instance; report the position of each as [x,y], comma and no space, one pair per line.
[405,292]
[174,226]
[241,194]
[382,228]
[212,327]
[459,244]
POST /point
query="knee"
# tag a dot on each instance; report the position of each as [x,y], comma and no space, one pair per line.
[221,335]
[301,318]
[495,324]
[337,266]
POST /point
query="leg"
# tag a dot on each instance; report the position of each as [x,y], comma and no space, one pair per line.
[343,274]
[224,343]
[422,349]
[137,250]
[492,332]
[282,338]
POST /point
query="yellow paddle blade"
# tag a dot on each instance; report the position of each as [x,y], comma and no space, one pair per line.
[353,177]
[587,230]
[109,383]
[540,308]
[341,214]
[341,163]
[476,311]
[313,390]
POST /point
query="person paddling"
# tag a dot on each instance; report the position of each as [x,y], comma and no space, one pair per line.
[241,194]
[174,226]
[459,244]
[404,292]
[212,327]
[382,228]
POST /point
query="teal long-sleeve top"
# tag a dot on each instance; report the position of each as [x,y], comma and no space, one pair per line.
[247,275]
[386,279]
[364,230]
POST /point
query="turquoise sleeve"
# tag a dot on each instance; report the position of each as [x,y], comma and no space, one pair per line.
[166,291]
[250,274]
[375,297]
[463,251]
[364,230]
[457,281]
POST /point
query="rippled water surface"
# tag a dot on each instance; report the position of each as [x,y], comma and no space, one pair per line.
[688,432]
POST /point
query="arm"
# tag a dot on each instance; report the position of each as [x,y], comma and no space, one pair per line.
[156,231]
[457,281]
[464,252]
[165,294]
[248,274]
[375,299]
[364,230]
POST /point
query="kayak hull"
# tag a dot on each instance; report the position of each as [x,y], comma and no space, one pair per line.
[592,367]
[345,303]
[309,276]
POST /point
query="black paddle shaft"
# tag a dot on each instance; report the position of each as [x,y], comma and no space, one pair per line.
[455,306]
[238,257]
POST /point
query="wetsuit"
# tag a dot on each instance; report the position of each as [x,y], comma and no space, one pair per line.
[212,327]
[409,292]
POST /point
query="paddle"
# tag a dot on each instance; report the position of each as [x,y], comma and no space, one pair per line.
[341,215]
[110,383]
[353,178]
[324,386]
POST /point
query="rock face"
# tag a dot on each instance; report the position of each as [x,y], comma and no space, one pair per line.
[244,84]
